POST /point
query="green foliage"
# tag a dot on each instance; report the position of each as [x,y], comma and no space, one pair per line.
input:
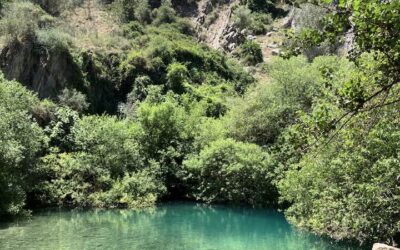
[344,169]
[266,110]
[177,75]
[74,100]
[261,23]
[324,132]
[2,3]
[21,142]
[255,22]
[230,171]
[54,39]
[251,52]
[164,14]
[349,189]
[130,10]
[59,127]
[242,17]
[22,19]
[307,36]
[161,50]
[102,168]
[162,121]
[133,29]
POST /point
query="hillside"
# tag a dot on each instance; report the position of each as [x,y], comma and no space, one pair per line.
[290,105]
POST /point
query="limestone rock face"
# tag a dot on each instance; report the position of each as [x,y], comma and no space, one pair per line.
[41,70]
[379,246]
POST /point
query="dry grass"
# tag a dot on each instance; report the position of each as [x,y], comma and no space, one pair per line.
[95,30]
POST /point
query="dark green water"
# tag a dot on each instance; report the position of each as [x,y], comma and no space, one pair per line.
[169,226]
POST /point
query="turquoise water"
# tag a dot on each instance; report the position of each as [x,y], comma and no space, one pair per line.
[169,226]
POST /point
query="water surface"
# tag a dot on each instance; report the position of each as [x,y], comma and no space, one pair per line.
[169,226]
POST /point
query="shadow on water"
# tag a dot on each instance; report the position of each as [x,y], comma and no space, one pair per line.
[177,225]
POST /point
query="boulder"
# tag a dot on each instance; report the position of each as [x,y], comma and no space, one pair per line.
[272,45]
[379,246]
[275,52]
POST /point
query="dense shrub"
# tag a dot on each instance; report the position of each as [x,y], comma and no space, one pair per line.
[162,121]
[233,172]
[164,49]
[253,22]
[22,140]
[74,100]
[177,75]
[164,14]
[54,39]
[101,169]
[251,52]
[242,17]
[133,10]
[349,188]
[22,19]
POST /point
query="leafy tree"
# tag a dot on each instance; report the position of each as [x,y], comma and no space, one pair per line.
[164,136]
[22,140]
[230,171]
[267,109]
[104,169]
[349,187]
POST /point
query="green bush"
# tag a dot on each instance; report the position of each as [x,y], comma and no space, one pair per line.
[133,29]
[105,167]
[22,140]
[164,14]
[177,75]
[251,52]
[266,110]
[242,17]
[162,49]
[261,22]
[73,99]
[54,39]
[133,10]
[79,180]
[233,172]
[22,19]
[162,121]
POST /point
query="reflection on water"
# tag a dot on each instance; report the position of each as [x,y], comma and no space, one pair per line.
[170,226]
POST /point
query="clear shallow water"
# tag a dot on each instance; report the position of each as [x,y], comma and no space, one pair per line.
[169,226]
